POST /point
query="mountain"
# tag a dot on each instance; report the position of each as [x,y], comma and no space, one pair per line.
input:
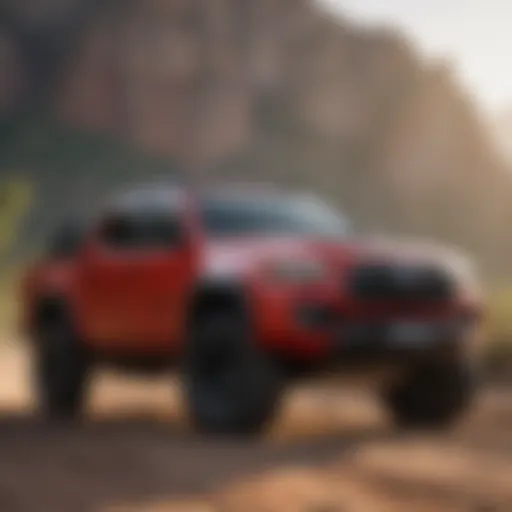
[93,93]
[502,129]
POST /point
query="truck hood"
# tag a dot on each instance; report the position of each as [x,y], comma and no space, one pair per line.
[242,254]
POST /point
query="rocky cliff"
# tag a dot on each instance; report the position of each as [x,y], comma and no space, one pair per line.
[270,89]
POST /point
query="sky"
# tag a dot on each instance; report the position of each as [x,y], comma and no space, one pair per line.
[476,35]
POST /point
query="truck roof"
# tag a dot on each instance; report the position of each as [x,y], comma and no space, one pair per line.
[169,195]
[162,194]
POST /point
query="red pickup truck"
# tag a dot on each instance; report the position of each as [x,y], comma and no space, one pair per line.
[244,290]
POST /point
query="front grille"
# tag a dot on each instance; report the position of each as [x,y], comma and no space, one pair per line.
[400,283]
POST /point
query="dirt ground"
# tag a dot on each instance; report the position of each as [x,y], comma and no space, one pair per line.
[332,450]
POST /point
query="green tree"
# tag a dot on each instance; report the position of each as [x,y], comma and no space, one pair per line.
[15,200]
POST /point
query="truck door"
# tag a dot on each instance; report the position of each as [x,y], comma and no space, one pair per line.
[136,278]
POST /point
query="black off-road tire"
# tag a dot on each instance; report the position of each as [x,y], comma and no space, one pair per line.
[231,386]
[61,368]
[434,396]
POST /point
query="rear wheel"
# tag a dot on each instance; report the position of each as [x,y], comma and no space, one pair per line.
[435,395]
[61,366]
[232,387]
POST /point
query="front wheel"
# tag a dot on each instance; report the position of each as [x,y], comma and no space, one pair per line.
[434,395]
[61,367]
[231,386]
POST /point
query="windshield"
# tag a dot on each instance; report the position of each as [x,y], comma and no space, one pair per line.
[280,215]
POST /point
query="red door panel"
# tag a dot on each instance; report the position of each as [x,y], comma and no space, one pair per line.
[133,294]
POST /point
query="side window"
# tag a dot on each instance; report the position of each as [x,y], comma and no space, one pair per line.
[142,230]
[118,232]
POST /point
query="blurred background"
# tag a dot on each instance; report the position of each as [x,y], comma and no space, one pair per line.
[397,111]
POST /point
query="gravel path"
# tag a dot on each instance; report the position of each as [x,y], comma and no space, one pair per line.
[331,451]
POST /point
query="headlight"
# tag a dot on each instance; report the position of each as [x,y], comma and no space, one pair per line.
[298,271]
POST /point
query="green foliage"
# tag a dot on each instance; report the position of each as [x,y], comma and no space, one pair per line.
[9,304]
[15,197]
[65,172]
[45,147]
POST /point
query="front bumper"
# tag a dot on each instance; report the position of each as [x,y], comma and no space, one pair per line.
[318,327]
[399,338]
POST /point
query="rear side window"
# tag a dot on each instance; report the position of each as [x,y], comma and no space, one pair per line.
[142,230]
